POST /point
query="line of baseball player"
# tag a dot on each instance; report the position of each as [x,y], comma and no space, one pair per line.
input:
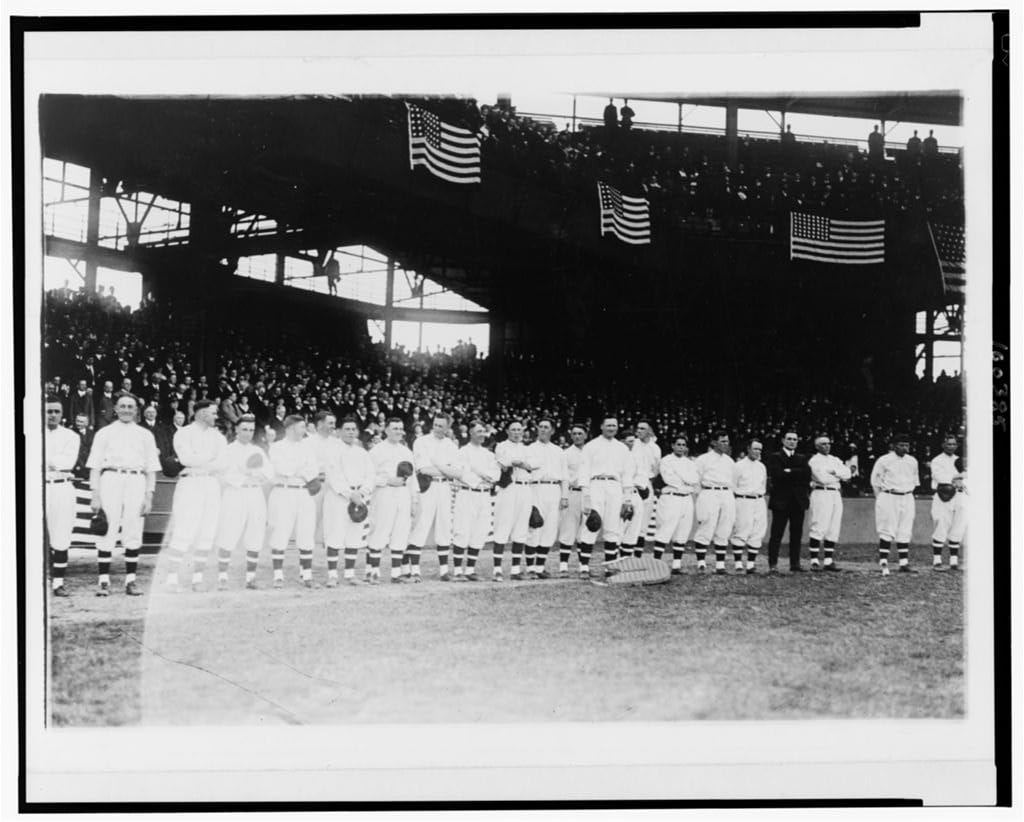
[324,487]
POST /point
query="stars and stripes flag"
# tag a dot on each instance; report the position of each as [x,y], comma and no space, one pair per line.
[81,535]
[847,242]
[628,218]
[446,151]
[948,242]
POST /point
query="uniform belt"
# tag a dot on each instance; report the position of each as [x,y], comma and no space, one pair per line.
[605,477]
[548,482]
[575,487]
[749,496]
[289,484]
[123,470]
[715,488]
[897,493]
[818,487]
[521,482]
[438,479]
[249,485]
[474,490]
[51,481]
[188,472]
[676,493]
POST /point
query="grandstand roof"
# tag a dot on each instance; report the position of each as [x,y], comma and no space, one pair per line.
[940,108]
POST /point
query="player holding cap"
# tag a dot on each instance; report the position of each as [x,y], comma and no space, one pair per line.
[675,506]
[514,500]
[827,472]
[291,508]
[632,521]
[648,456]
[434,457]
[751,484]
[607,476]
[949,505]
[893,479]
[244,471]
[550,495]
[350,478]
[391,508]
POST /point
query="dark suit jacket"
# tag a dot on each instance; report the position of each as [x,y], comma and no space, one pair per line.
[81,405]
[788,481]
[106,412]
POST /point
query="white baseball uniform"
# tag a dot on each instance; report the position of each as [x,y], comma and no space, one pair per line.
[550,484]
[648,456]
[479,471]
[513,503]
[716,506]
[894,479]
[243,504]
[195,508]
[434,455]
[325,449]
[607,473]
[61,447]
[571,518]
[290,509]
[750,486]
[675,506]
[352,470]
[124,453]
[391,510]
[950,518]
[826,497]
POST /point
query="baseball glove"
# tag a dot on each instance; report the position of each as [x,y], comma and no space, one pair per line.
[98,525]
[536,519]
[593,522]
[170,467]
[254,461]
[626,513]
[644,492]
[357,511]
[657,483]
[404,469]
[424,481]
[505,480]
[945,491]
[313,486]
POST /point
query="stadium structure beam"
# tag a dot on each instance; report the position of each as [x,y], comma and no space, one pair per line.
[389,305]
[92,230]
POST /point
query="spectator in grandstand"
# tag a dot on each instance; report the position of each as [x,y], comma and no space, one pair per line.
[853,487]
[105,413]
[611,119]
[627,115]
[85,434]
[80,402]
[149,422]
[930,147]
[914,146]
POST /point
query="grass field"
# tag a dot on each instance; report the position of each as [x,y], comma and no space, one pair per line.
[849,645]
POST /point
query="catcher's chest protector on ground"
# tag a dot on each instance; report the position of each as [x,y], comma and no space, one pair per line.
[637,571]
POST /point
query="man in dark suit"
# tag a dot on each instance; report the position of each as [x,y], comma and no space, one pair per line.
[789,481]
[81,402]
[106,412]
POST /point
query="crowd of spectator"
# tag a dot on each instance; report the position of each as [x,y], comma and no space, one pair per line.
[689,182]
[93,350]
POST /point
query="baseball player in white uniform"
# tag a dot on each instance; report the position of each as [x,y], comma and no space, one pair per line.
[632,525]
[291,510]
[513,503]
[571,516]
[893,479]
[435,455]
[61,451]
[675,506]
[949,515]
[244,471]
[478,471]
[716,506]
[750,479]
[550,494]
[122,467]
[196,505]
[350,478]
[648,456]
[325,446]
[391,509]
[607,476]
[827,472]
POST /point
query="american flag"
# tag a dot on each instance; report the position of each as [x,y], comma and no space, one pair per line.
[628,218]
[848,242]
[948,242]
[448,152]
[80,532]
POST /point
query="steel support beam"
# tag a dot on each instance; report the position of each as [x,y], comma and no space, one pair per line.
[92,230]
[389,305]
